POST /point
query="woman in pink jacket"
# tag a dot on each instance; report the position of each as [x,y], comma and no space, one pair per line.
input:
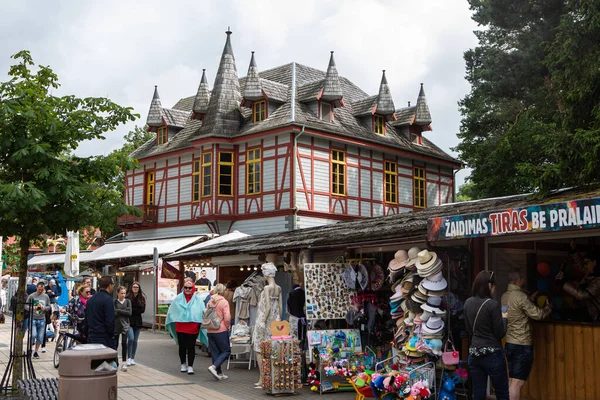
[218,339]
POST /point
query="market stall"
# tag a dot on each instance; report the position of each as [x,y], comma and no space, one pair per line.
[552,243]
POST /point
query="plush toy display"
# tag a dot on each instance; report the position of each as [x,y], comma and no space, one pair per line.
[314,376]
[448,386]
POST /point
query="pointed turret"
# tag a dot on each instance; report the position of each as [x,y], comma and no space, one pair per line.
[385,103]
[422,114]
[332,90]
[253,90]
[223,117]
[155,114]
[202,97]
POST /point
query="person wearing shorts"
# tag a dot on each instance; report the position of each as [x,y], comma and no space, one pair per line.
[40,302]
[519,348]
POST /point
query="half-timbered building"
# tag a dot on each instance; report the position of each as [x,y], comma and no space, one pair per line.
[282,149]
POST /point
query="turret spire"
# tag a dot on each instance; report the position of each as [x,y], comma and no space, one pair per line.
[385,103]
[332,90]
[253,89]
[223,117]
[155,114]
[422,114]
[202,96]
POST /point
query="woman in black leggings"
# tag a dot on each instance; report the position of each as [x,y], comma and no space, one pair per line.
[122,314]
[187,331]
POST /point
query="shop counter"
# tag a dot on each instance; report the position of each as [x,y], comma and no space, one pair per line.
[567,362]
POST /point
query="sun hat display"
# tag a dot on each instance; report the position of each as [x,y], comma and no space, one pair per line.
[418,297]
[377,277]
[362,276]
[435,283]
[349,276]
[413,254]
[399,261]
[417,320]
[426,315]
[433,306]
[428,293]
[433,325]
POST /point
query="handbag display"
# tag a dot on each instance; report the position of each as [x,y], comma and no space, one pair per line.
[450,357]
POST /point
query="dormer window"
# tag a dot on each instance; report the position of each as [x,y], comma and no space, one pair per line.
[325,112]
[161,135]
[379,124]
[416,138]
[259,111]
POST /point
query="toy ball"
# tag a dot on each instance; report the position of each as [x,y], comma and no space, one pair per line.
[543,285]
[557,302]
[543,269]
[541,301]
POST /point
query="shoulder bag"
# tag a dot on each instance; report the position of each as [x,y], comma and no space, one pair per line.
[477,315]
[450,357]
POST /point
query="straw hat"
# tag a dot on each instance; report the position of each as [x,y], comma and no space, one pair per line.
[433,325]
[426,259]
[435,283]
[413,254]
[433,306]
[399,261]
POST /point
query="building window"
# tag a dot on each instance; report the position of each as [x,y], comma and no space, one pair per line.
[326,112]
[338,172]
[416,138]
[419,188]
[379,124]
[391,183]
[206,174]
[196,181]
[225,174]
[150,188]
[253,171]
[161,135]
[259,111]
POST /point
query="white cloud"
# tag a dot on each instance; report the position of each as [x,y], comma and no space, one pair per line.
[121,49]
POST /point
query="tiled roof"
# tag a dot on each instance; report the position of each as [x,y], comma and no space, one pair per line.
[202,98]
[332,90]
[423,116]
[253,88]
[176,118]
[225,117]
[155,114]
[404,116]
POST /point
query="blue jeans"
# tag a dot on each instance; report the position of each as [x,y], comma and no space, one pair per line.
[493,366]
[219,349]
[133,335]
[38,327]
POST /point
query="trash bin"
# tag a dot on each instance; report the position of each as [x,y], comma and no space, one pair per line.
[83,374]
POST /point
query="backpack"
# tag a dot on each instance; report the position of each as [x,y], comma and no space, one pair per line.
[210,319]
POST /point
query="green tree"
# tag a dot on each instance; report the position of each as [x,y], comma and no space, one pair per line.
[466,192]
[45,189]
[530,122]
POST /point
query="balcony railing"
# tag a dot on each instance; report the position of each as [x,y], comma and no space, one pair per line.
[148,218]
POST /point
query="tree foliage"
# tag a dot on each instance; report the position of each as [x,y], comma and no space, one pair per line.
[45,188]
[531,121]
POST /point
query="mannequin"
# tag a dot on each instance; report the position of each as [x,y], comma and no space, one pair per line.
[269,310]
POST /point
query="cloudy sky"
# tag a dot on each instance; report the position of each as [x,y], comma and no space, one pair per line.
[120,49]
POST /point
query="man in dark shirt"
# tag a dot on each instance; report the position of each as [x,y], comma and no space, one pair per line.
[53,290]
[100,314]
[203,281]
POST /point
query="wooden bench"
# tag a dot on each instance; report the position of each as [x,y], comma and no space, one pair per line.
[160,323]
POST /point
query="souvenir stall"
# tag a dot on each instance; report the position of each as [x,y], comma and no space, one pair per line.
[553,244]
[281,361]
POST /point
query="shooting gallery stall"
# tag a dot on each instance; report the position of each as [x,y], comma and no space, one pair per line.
[543,239]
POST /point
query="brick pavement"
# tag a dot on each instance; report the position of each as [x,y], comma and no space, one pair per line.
[157,376]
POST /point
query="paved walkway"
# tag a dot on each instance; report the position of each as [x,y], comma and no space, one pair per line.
[157,375]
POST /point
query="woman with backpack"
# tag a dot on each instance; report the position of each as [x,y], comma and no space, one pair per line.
[122,314]
[183,323]
[216,321]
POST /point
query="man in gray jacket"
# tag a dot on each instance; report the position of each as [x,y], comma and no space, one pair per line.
[41,305]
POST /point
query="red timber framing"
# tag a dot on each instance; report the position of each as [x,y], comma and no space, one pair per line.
[211,208]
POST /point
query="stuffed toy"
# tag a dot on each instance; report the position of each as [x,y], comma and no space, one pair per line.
[448,385]
[314,376]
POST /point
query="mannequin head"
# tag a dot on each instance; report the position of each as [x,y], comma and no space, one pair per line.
[269,270]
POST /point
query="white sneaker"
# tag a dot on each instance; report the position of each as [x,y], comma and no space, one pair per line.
[213,371]
[183,368]
[132,361]
[223,377]
[43,349]
[123,367]
[190,371]
[128,361]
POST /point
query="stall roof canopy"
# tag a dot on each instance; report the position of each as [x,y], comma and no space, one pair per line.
[138,267]
[192,251]
[56,258]
[141,248]
[380,229]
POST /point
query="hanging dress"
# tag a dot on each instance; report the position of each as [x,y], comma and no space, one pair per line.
[262,331]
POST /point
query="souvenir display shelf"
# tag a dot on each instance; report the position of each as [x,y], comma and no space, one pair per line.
[282,369]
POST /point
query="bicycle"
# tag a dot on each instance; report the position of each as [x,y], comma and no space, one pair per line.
[66,339]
